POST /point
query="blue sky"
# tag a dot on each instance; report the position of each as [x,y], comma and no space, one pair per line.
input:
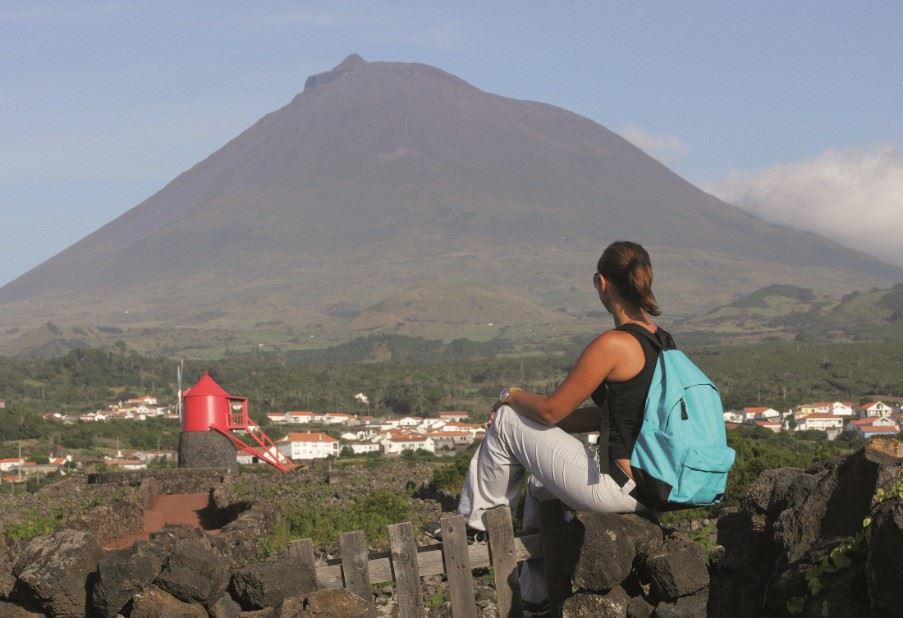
[791,110]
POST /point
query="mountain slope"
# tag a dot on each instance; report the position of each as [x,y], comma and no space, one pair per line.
[380,176]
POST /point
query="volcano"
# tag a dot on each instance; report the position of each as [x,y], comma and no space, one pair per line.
[386,180]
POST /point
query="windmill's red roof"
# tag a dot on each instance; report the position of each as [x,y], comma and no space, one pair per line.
[206,387]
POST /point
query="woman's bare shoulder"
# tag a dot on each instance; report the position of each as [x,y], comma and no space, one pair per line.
[612,340]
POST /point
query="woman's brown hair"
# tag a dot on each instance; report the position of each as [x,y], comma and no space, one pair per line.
[627,266]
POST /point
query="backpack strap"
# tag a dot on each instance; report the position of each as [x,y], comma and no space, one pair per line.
[659,341]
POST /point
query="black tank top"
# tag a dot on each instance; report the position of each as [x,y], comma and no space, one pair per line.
[627,399]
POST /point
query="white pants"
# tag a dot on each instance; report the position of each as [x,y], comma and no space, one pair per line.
[560,465]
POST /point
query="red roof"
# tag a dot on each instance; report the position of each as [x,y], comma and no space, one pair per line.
[308,436]
[823,415]
[406,438]
[870,429]
[755,409]
[206,386]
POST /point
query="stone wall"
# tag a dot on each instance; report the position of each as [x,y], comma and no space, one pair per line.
[827,541]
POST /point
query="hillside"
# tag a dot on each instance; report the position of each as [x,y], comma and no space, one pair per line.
[790,312]
[383,177]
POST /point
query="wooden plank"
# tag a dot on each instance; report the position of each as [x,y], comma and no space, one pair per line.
[555,541]
[304,551]
[355,566]
[504,560]
[429,561]
[404,566]
[457,566]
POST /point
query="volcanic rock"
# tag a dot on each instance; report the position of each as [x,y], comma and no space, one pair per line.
[52,571]
[155,603]
[679,571]
[123,573]
[194,572]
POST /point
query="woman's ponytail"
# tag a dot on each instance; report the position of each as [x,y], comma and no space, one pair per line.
[627,265]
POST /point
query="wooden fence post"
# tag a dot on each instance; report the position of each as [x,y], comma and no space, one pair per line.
[356,567]
[403,546]
[457,566]
[504,561]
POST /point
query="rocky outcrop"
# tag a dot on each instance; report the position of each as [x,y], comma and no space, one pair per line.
[884,563]
[627,565]
[194,572]
[123,573]
[810,542]
[154,603]
[269,583]
[54,573]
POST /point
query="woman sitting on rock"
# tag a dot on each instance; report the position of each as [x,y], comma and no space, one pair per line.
[532,433]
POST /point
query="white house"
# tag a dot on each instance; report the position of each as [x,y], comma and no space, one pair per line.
[775,426]
[453,415]
[842,408]
[337,418]
[874,408]
[871,421]
[11,463]
[820,422]
[399,443]
[870,431]
[127,464]
[474,429]
[759,413]
[362,447]
[813,407]
[145,400]
[308,445]
[410,421]
[451,439]
[732,416]
[301,417]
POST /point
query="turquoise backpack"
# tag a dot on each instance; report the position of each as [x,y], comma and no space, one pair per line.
[680,458]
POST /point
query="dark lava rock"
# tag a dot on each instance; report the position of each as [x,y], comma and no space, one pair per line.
[206,449]
[679,571]
[123,573]
[613,604]
[829,501]
[767,496]
[606,555]
[239,540]
[884,565]
[9,610]
[333,603]
[52,571]
[225,607]
[267,584]
[155,603]
[193,572]
[639,608]
[693,606]
[9,553]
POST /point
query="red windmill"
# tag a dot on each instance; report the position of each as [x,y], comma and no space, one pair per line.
[210,408]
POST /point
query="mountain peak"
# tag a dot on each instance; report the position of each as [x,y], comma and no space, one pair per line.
[350,63]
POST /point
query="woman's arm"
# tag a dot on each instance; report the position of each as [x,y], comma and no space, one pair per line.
[593,366]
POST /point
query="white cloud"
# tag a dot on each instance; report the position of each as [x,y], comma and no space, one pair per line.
[666,148]
[852,196]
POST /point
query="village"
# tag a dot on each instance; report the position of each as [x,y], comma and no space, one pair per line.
[321,435]
[864,420]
